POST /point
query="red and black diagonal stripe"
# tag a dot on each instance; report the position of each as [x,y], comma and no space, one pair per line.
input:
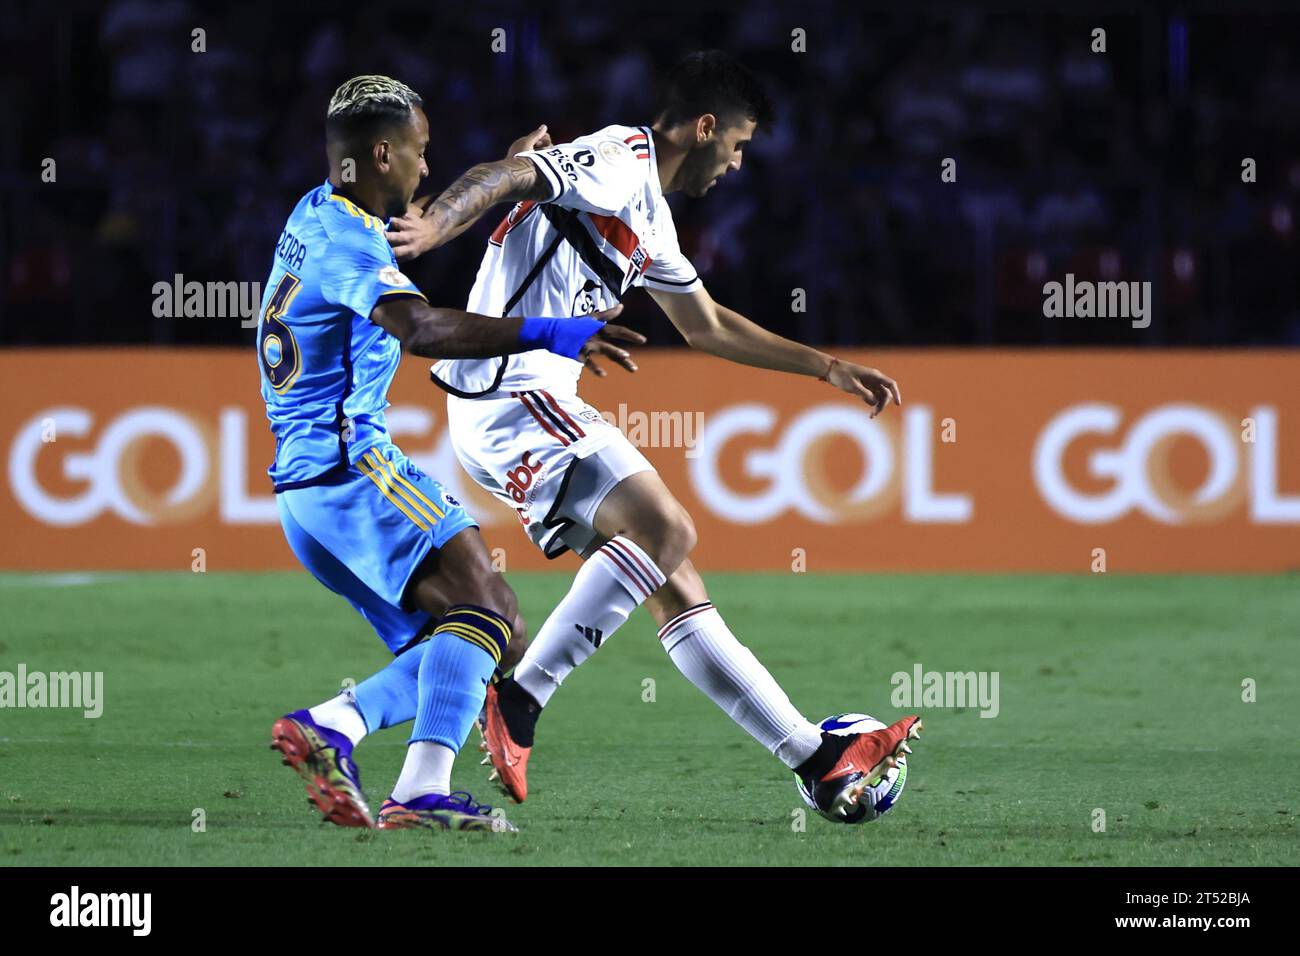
[546,411]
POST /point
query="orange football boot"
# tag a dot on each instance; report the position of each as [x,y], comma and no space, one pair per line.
[509,760]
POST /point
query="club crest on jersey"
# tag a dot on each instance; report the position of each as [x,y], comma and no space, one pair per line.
[391,275]
[637,261]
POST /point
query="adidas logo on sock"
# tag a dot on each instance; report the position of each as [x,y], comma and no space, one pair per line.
[593,635]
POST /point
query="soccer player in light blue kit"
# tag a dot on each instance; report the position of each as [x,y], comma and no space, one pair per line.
[365,521]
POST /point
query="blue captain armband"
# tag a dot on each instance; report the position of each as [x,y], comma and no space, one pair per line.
[561,336]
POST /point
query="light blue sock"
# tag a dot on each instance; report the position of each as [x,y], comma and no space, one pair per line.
[390,697]
[465,648]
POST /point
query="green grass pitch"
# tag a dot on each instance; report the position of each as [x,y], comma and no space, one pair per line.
[1118,693]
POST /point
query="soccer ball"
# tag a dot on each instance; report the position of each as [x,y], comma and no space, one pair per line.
[875,801]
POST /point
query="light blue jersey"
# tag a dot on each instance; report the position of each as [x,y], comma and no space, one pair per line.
[359,514]
[325,366]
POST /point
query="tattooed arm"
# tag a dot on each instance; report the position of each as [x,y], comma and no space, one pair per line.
[463,202]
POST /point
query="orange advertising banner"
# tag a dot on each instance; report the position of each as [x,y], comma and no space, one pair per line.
[998,460]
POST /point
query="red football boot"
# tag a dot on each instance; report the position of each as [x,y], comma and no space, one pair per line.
[856,762]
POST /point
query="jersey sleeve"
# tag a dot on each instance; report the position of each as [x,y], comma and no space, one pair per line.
[355,276]
[669,269]
[596,174]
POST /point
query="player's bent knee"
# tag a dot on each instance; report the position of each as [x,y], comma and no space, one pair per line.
[666,534]
[688,536]
[518,644]
[494,594]
[495,630]
[677,539]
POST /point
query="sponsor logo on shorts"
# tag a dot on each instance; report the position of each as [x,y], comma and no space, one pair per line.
[520,479]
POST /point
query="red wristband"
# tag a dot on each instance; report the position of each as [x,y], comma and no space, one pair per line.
[826,376]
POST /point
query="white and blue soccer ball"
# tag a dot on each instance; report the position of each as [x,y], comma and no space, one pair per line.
[876,801]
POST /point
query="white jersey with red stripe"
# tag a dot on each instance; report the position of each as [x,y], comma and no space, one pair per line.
[606,228]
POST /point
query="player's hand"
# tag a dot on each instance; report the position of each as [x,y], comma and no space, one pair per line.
[537,139]
[871,385]
[411,234]
[604,343]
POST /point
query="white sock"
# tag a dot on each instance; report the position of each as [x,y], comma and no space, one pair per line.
[427,769]
[340,713]
[609,586]
[704,649]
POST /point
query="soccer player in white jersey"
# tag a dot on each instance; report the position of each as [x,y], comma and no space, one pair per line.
[589,224]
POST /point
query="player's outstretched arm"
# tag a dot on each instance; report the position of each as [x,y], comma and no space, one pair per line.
[715,329]
[437,333]
[463,202]
[411,237]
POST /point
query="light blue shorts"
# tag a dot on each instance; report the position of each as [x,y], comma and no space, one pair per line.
[364,534]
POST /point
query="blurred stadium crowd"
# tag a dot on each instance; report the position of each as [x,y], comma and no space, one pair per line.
[1122,165]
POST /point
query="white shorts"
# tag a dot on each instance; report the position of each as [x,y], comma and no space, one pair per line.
[550,457]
